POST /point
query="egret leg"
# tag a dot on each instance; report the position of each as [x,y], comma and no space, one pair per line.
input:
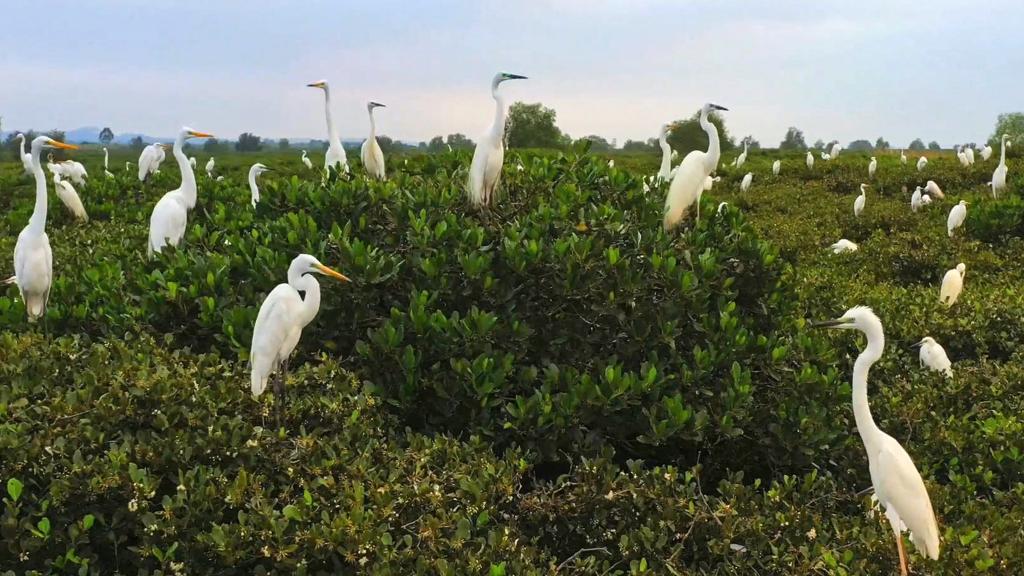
[278,396]
[903,556]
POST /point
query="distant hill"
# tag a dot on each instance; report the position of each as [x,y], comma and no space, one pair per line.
[91,134]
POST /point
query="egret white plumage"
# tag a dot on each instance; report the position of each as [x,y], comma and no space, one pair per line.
[962,157]
[776,167]
[254,190]
[956,217]
[709,182]
[810,160]
[969,152]
[489,155]
[843,245]
[858,204]
[986,153]
[926,199]
[834,152]
[75,171]
[691,174]
[371,153]
[106,159]
[335,157]
[921,163]
[664,173]
[742,158]
[897,483]
[872,166]
[69,196]
[748,179]
[952,284]
[903,158]
[282,316]
[825,156]
[170,215]
[306,161]
[999,176]
[149,160]
[916,200]
[932,188]
[933,356]
[26,159]
[210,165]
[192,162]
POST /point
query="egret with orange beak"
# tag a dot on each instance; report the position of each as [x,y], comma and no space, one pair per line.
[170,215]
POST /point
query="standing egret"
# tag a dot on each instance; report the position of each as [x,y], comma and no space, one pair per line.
[485,171]
[691,174]
[858,204]
[192,162]
[952,284]
[748,179]
[897,483]
[335,151]
[26,159]
[843,245]
[776,167]
[810,160]
[371,154]
[709,182]
[872,166]
[999,176]
[75,171]
[306,161]
[925,200]
[106,167]
[932,188]
[921,163]
[986,153]
[150,160]
[836,149]
[282,316]
[903,158]
[33,259]
[916,200]
[210,164]
[69,196]
[962,157]
[742,158]
[969,152]
[254,189]
[170,215]
[934,357]
[664,173]
[956,218]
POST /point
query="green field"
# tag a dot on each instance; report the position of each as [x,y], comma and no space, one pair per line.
[555,386]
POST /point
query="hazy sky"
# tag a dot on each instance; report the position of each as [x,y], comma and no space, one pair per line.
[619,68]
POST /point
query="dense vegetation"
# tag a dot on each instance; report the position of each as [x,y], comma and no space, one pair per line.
[554,386]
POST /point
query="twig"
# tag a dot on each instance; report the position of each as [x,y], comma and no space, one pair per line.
[705,498]
[581,551]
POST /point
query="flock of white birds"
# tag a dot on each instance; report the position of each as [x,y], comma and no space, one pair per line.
[291,306]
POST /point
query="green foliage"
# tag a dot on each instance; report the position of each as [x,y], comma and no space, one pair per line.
[1010,123]
[532,126]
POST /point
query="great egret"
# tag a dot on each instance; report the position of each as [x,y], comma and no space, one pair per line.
[282,316]
[956,218]
[836,149]
[969,152]
[872,166]
[858,204]
[934,357]
[932,188]
[220,179]
[689,180]
[962,157]
[33,259]
[69,196]
[106,159]
[192,162]
[742,158]
[986,153]
[254,189]
[210,164]
[810,160]
[903,158]
[76,171]
[170,215]
[999,176]
[825,156]
[149,160]
[26,159]
[371,154]
[664,173]
[709,182]
[748,179]
[306,161]
[843,245]
[897,483]
[485,171]
[335,151]
[926,199]
[921,163]
[952,284]
[916,200]
[776,167]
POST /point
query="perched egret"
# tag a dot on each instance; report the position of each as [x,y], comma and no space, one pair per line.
[709,182]
[825,156]
[843,245]
[962,157]
[921,163]
[106,168]
[282,316]
[956,218]
[776,167]
[834,152]
[26,158]
[306,161]
[210,164]
[748,179]
[69,196]
[969,152]
[33,259]
[220,178]
[916,200]
[952,284]
[872,167]
[335,151]
[371,154]
[254,173]
[999,176]
[903,158]
[742,158]
[858,204]
[934,357]
[810,160]
[926,199]
[149,160]
[932,188]
[986,153]
[170,215]
[897,483]
[485,171]
[691,174]
[192,162]
[664,173]
[75,171]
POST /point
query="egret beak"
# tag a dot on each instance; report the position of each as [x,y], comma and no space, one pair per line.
[377,105]
[316,85]
[63,146]
[837,323]
[332,273]
[717,107]
[195,134]
[515,77]
[917,344]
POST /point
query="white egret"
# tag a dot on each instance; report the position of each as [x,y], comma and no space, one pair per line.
[170,215]
[210,165]
[952,284]
[721,207]
[709,182]
[306,161]
[75,171]
[858,204]
[825,156]
[903,158]
[691,174]
[611,163]
[335,151]
[921,163]
[843,245]
[742,158]
[33,259]
[748,179]
[776,167]
[926,199]
[986,153]
[371,153]
[836,149]
[897,483]
[956,218]
[192,162]
[282,316]
[916,200]
[26,158]
[485,171]
[149,160]
[254,189]
[932,188]
[220,178]
[934,357]
[872,167]
[664,173]
[106,167]
[969,152]
[999,176]
[810,160]
[69,196]
[962,157]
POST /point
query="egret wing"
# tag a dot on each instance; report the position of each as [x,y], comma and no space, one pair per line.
[899,485]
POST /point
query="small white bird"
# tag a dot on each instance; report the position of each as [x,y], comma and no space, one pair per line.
[932,188]
[999,176]
[254,189]
[220,179]
[26,159]
[306,161]
[872,166]
[986,153]
[611,163]
[742,158]
[209,167]
[956,218]
[858,204]
[747,181]
[962,157]
[67,194]
[709,182]
[952,284]
[75,171]
[903,158]
[665,171]
[836,149]
[934,357]
[921,163]
[106,159]
[810,160]
[926,199]
[192,162]
[969,152]
[150,159]
[916,200]
[371,153]
[843,245]
[776,167]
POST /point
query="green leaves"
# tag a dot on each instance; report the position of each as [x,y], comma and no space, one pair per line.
[14,487]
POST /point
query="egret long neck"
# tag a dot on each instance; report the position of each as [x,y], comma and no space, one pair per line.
[1002,153]
[188,178]
[869,432]
[105,159]
[332,132]
[307,284]
[714,147]
[666,152]
[373,126]
[22,146]
[37,223]
[253,188]
[498,128]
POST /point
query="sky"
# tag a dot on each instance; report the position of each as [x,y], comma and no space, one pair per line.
[938,70]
